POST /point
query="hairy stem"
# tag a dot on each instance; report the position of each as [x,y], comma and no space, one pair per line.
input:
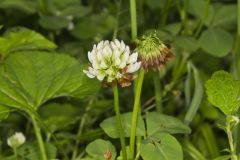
[135,112]
[118,119]
[39,139]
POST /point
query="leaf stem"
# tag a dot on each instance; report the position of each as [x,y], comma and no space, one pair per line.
[15,153]
[133,19]
[230,140]
[118,119]
[135,112]
[158,96]
[80,130]
[39,139]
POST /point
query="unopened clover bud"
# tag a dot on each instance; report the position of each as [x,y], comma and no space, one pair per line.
[16,140]
[153,53]
[112,61]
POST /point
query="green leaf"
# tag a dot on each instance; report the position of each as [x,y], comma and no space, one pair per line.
[186,43]
[225,16]
[4,111]
[57,116]
[197,96]
[29,79]
[98,148]
[25,39]
[157,122]
[192,151]
[161,146]
[86,27]
[198,9]
[224,92]
[31,151]
[27,6]
[173,28]
[53,22]
[216,42]
[109,126]
[225,157]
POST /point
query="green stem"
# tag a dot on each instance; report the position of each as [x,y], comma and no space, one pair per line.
[15,153]
[43,6]
[39,139]
[133,19]
[135,112]
[118,119]
[157,86]
[203,19]
[231,143]
[80,130]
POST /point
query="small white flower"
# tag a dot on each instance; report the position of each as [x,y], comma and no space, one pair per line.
[112,61]
[16,140]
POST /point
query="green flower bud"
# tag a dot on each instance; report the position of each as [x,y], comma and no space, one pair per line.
[152,52]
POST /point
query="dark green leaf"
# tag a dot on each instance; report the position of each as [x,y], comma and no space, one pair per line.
[109,126]
[161,146]
[157,122]
[216,42]
[98,148]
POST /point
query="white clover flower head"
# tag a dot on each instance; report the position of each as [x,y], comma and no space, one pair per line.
[16,140]
[111,61]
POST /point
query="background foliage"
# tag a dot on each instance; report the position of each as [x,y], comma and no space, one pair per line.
[203,35]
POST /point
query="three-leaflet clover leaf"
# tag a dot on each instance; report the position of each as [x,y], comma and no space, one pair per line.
[224,92]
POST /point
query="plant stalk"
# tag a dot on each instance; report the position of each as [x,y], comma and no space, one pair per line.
[135,112]
[118,119]
[231,143]
[158,96]
[133,19]
[39,139]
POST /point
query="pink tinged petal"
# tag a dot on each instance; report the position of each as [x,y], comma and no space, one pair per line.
[133,67]
[133,58]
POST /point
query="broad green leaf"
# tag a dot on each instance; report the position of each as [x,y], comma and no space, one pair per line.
[31,151]
[29,79]
[216,42]
[173,28]
[57,116]
[25,39]
[197,96]
[86,27]
[225,16]
[109,126]
[98,148]
[199,8]
[4,111]
[161,146]
[27,6]
[53,22]
[157,122]
[186,43]
[224,92]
